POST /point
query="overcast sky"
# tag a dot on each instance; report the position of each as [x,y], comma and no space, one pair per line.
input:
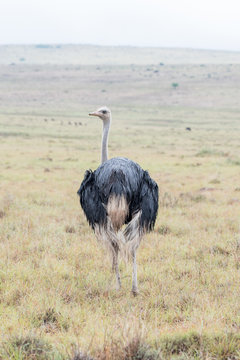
[209,24]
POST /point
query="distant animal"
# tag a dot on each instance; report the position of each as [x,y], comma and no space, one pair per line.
[69,123]
[188,129]
[119,192]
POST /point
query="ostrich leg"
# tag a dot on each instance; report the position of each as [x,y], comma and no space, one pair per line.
[107,237]
[133,238]
[134,274]
[116,269]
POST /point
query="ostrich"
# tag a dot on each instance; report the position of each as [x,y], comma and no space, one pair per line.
[119,192]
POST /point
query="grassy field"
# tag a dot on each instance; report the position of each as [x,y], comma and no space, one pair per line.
[57,292]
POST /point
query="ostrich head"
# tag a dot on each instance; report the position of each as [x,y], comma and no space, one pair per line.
[103,113]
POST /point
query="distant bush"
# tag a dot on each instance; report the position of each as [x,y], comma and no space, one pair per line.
[175,85]
[43,46]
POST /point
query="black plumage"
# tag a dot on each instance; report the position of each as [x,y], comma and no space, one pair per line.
[119,177]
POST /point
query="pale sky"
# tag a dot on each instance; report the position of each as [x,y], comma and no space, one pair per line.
[204,24]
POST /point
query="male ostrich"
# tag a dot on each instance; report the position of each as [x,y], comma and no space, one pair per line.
[119,192]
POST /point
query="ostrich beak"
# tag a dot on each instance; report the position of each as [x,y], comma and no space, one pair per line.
[94,113]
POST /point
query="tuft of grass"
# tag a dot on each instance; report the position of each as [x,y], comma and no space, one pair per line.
[2,214]
[70,229]
[236,252]
[193,197]
[211,152]
[194,345]
[214,181]
[164,230]
[134,349]
[78,355]
[198,198]
[5,204]
[224,347]
[28,348]
[234,161]
[167,200]
[51,320]
[179,344]
[216,249]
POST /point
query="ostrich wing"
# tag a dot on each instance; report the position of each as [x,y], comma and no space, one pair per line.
[90,200]
[148,202]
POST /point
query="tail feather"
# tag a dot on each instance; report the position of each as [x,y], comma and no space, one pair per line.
[110,239]
[133,235]
[126,242]
[117,210]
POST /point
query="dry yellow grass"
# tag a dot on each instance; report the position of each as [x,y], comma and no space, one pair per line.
[55,281]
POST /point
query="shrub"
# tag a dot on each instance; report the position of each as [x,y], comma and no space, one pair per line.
[43,46]
[175,85]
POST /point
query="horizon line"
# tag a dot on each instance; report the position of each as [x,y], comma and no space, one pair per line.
[119,46]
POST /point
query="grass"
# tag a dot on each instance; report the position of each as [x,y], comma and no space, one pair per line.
[20,348]
[188,346]
[56,288]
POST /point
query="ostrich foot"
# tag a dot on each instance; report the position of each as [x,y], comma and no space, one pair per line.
[135,291]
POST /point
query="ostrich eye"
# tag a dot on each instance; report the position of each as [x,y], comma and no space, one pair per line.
[104,111]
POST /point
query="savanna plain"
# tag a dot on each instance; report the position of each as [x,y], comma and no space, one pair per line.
[57,291]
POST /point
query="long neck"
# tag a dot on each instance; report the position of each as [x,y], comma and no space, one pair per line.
[106,126]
